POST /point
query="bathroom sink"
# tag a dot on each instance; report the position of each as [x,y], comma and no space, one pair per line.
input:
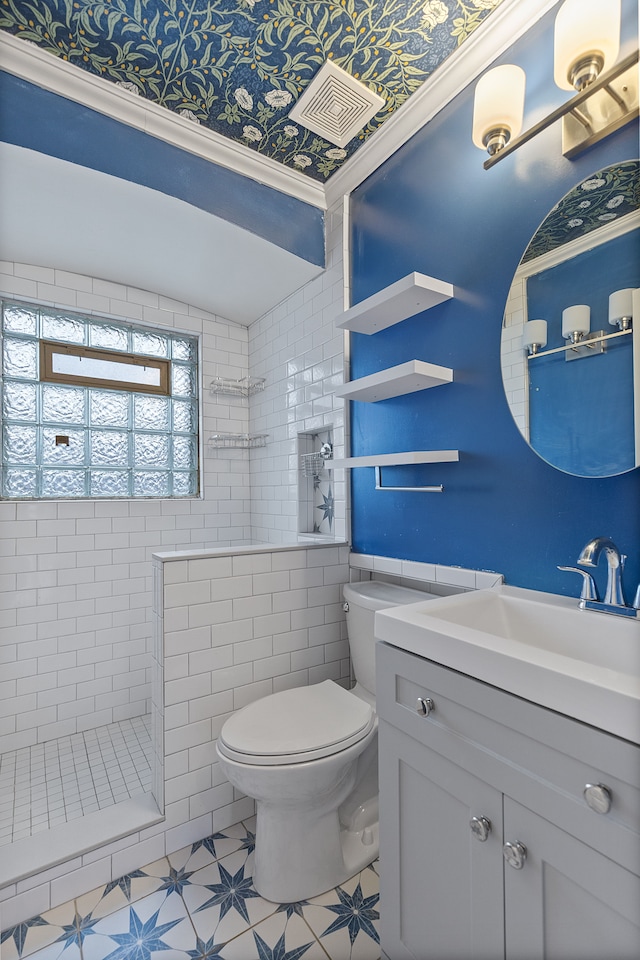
[538,646]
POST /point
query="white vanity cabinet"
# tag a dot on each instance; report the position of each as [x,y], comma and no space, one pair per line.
[465,769]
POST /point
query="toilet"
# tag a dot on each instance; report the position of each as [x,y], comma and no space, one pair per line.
[309,758]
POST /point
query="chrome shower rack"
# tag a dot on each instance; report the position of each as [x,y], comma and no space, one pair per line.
[246,387]
[312,463]
[238,441]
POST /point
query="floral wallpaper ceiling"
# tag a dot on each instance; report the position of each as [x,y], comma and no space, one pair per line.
[238,66]
[608,195]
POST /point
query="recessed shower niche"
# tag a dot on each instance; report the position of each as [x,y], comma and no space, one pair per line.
[315,483]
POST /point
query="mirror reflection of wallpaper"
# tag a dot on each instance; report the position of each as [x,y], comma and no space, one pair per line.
[607,195]
[237,68]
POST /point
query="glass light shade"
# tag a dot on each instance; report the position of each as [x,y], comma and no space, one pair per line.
[535,334]
[499,103]
[620,305]
[576,319]
[585,27]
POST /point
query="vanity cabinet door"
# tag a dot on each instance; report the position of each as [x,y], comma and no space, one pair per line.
[441,886]
[568,900]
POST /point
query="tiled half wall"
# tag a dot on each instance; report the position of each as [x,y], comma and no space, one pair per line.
[235,626]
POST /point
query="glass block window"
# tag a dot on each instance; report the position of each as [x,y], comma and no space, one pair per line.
[74,431]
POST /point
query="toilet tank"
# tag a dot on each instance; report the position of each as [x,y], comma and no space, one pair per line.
[363,600]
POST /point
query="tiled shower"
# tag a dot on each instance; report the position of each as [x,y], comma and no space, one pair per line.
[77,655]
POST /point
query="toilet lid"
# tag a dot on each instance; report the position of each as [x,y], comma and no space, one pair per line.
[295,725]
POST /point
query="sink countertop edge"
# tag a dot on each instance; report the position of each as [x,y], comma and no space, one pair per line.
[614,708]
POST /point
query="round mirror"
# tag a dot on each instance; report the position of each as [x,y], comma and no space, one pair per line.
[570,357]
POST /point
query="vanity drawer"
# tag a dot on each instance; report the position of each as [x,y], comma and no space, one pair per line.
[540,758]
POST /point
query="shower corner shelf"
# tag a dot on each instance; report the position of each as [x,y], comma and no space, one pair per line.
[400,300]
[245,387]
[409,377]
[237,441]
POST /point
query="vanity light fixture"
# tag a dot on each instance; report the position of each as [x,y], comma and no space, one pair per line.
[586,41]
[586,45]
[576,322]
[621,308]
[535,336]
[498,107]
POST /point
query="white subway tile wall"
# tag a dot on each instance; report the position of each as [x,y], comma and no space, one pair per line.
[75,576]
[433,577]
[298,350]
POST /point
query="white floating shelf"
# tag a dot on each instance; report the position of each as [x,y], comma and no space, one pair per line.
[395,459]
[396,381]
[400,300]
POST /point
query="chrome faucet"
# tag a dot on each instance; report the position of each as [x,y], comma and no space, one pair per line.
[615,562]
[614,601]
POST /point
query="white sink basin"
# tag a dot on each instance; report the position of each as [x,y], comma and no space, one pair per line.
[539,646]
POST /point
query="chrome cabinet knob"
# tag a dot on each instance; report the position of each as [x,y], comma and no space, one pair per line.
[480,828]
[515,854]
[598,797]
[425,706]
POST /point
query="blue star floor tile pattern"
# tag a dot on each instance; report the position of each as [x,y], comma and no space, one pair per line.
[200,903]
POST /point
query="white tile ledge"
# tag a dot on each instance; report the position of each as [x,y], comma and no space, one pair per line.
[463,577]
[170,555]
[44,850]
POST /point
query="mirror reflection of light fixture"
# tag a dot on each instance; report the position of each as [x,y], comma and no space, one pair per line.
[586,45]
[621,308]
[576,322]
[576,329]
[535,336]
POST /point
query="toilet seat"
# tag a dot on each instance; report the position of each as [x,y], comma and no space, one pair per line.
[294,726]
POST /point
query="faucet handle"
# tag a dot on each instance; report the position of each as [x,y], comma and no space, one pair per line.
[588,591]
[636,601]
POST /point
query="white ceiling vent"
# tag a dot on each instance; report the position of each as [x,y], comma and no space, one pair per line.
[335,105]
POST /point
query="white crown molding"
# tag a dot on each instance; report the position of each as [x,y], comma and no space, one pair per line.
[505,25]
[496,34]
[26,60]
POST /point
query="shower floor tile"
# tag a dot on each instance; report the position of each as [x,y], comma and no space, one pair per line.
[200,903]
[61,780]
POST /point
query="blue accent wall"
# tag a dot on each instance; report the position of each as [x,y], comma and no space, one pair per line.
[39,120]
[434,209]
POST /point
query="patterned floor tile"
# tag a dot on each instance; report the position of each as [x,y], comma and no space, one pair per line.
[158,925]
[200,904]
[346,920]
[105,900]
[222,900]
[205,852]
[39,932]
[279,937]
[56,951]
